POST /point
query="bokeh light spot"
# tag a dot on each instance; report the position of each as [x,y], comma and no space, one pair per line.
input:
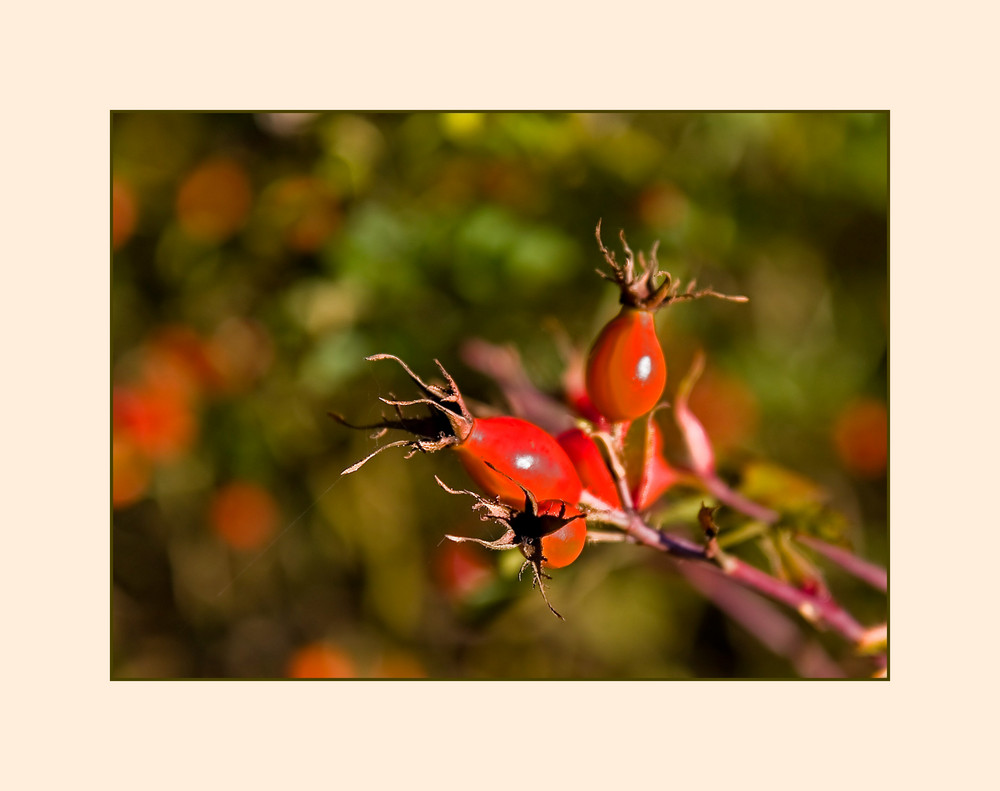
[158,420]
[129,473]
[244,515]
[320,660]
[214,200]
[460,569]
[124,213]
[861,437]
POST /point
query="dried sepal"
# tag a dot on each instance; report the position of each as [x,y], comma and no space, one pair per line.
[535,561]
[637,287]
[449,422]
[399,443]
[524,530]
[492,509]
[437,396]
[506,541]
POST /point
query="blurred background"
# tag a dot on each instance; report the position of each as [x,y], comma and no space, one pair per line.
[258,258]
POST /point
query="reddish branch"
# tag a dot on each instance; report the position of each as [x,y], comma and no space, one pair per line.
[875,576]
[763,620]
[816,609]
[864,570]
[715,573]
[716,487]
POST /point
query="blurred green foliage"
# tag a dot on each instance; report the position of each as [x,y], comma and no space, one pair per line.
[258,258]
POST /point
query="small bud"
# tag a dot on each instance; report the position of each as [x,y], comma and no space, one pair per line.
[707,521]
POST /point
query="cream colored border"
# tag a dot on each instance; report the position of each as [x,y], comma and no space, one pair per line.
[65,67]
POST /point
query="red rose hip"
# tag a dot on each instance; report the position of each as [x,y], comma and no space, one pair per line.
[590,466]
[563,546]
[522,453]
[501,454]
[626,370]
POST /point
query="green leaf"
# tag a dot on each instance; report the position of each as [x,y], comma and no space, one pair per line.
[738,535]
[774,486]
